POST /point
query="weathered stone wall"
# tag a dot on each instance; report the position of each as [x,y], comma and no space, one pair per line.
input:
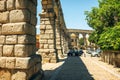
[66,44]
[18,60]
[63,41]
[47,32]
[58,38]
[51,29]
[111,57]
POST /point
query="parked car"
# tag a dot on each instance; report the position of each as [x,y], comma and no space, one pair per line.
[96,53]
[89,51]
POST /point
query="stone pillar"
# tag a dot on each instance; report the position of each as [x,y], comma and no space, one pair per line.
[69,41]
[58,39]
[18,60]
[62,42]
[88,42]
[48,33]
[65,44]
[85,41]
[78,42]
[77,39]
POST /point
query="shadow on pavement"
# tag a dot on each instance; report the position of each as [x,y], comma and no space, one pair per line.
[72,69]
[49,73]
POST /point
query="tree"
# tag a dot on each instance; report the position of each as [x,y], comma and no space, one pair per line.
[106,15]
[81,41]
[110,39]
[105,20]
[93,37]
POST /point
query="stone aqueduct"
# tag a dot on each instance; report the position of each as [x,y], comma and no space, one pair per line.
[54,35]
[77,33]
[18,58]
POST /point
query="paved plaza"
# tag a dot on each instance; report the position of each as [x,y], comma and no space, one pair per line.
[81,68]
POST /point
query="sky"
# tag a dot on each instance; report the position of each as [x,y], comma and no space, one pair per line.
[73,11]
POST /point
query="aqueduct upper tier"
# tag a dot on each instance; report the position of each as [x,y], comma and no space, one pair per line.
[75,38]
[80,31]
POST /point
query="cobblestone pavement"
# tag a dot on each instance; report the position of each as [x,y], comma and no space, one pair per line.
[100,70]
[84,68]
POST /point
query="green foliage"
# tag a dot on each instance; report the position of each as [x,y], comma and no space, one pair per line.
[106,15]
[105,20]
[81,41]
[94,37]
[110,39]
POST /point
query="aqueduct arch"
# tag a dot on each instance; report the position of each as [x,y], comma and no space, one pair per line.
[76,32]
[53,31]
[17,37]
[18,58]
[54,36]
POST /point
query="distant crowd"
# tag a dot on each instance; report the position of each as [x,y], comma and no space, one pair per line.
[75,52]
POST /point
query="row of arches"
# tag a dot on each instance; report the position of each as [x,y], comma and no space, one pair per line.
[18,58]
